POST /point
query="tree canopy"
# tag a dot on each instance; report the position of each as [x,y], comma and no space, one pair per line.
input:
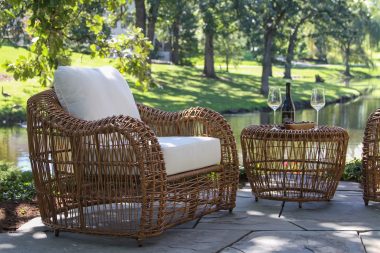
[269,31]
[53,24]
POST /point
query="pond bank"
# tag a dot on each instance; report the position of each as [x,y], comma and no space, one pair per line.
[305,104]
[19,117]
[351,115]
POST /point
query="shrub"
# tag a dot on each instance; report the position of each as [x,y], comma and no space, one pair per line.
[15,184]
[242,174]
[353,171]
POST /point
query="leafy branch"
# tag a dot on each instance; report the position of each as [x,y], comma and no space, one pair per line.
[51,24]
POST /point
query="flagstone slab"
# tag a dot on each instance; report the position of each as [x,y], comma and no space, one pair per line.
[335,215]
[349,186]
[371,241]
[298,242]
[171,241]
[343,224]
[253,220]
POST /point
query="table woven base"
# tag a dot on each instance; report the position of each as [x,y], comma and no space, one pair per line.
[294,165]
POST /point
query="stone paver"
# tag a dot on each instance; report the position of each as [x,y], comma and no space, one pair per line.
[350,214]
[172,241]
[371,241]
[298,242]
[349,186]
[342,225]
[250,220]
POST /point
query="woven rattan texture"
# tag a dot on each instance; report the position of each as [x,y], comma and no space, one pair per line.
[108,176]
[371,158]
[294,165]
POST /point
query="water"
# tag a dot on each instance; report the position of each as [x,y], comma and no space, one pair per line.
[14,146]
[351,116]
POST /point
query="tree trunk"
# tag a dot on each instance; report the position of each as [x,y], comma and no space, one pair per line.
[290,53]
[270,73]
[267,59]
[140,15]
[347,53]
[152,19]
[175,46]
[209,70]
[321,49]
[227,60]
[227,55]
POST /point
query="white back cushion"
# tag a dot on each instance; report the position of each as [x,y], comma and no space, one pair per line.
[94,93]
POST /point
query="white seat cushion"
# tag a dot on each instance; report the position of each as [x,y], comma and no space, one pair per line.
[183,154]
[94,93]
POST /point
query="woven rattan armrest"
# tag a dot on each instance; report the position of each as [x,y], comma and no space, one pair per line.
[57,132]
[195,121]
[192,121]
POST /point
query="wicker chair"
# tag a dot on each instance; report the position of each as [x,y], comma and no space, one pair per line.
[108,176]
[371,159]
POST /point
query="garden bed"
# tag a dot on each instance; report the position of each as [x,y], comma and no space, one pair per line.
[15,213]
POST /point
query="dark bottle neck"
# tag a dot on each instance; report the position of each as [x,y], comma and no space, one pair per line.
[288,90]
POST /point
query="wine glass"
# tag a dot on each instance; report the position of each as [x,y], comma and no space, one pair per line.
[317,100]
[274,102]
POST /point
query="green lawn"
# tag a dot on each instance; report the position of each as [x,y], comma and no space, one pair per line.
[182,87]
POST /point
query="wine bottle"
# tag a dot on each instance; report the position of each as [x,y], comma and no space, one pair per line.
[288,108]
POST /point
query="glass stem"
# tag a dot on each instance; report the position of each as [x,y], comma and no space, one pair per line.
[274,117]
[317,118]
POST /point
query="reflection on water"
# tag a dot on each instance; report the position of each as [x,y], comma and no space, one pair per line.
[14,146]
[352,116]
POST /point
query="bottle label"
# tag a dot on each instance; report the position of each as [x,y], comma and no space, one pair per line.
[287,116]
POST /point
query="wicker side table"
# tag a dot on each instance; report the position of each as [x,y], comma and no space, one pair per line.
[294,165]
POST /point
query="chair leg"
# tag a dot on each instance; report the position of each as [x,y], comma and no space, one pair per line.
[366,201]
[282,209]
[56,232]
[299,204]
[230,210]
[256,199]
[139,242]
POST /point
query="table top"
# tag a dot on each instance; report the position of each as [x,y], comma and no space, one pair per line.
[268,132]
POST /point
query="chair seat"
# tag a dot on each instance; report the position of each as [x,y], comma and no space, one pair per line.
[182,154]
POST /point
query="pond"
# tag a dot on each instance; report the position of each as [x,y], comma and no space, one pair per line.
[352,116]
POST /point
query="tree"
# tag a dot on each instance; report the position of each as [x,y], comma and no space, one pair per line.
[173,14]
[152,18]
[177,23]
[231,47]
[175,40]
[321,44]
[11,22]
[141,18]
[374,23]
[261,20]
[350,22]
[207,10]
[313,11]
[230,42]
[374,32]
[140,15]
[81,34]
[188,41]
[302,11]
[50,29]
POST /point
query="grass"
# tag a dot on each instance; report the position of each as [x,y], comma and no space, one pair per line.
[182,87]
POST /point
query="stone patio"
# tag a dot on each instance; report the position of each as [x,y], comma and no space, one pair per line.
[342,225]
